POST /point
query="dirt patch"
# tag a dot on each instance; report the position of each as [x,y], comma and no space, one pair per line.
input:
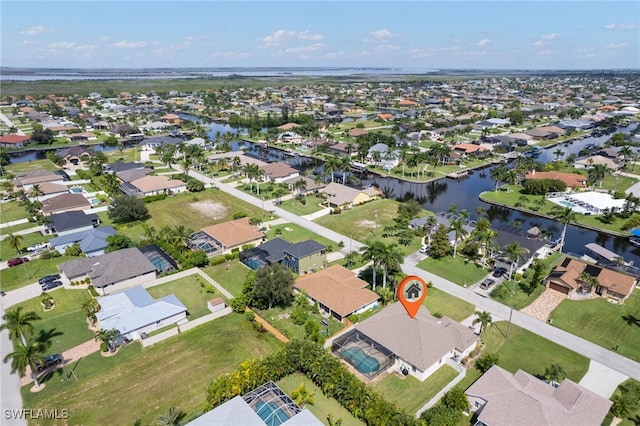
[209,208]
[367,223]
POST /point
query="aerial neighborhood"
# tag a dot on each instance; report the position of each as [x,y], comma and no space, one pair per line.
[214,252]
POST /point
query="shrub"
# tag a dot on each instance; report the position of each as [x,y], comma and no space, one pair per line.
[238,304]
[152,198]
[486,362]
[104,347]
[93,291]
[238,215]
[299,315]
[49,254]
[218,260]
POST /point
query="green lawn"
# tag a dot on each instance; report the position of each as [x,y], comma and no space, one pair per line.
[603,323]
[322,406]
[141,384]
[455,269]
[15,228]
[65,323]
[12,278]
[280,319]
[515,295]
[27,166]
[409,393]
[294,234]
[529,352]
[230,275]
[447,305]
[11,211]
[296,207]
[634,418]
[193,291]
[7,252]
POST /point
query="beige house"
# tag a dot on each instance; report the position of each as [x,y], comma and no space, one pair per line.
[573,275]
[337,291]
[230,235]
[36,177]
[589,162]
[153,185]
[501,398]
[278,172]
[343,196]
[49,190]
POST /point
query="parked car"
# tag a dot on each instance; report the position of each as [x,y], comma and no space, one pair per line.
[37,247]
[487,283]
[48,278]
[424,249]
[48,361]
[50,285]
[499,272]
[17,261]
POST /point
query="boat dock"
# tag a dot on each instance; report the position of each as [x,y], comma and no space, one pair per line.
[458,175]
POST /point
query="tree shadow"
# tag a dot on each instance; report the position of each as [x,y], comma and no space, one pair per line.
[631,320]
[45,337]
[635,420]
[499,328]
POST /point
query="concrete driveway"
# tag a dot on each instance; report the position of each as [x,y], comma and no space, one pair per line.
[602,379]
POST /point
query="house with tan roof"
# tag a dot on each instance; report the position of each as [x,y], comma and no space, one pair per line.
[278,172]
[573,180]
[501,398]
[337,291]
[65,203]
[49,190]
[396,342]
[553,129]
[224,237]
[288,126]
[171,119]
[589,162]
[355,132]
[343,196]
[153,185]
[36,177]
[573,276]
[385,116]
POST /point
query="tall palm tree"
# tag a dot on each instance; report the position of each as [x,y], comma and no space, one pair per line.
[372,251]
[331,165]
[301,186]
[498,174]
[252,171]
[36,192]
[459,232]
[19,323]
[597,173]
[484,318]
[26,355]
[516,253]
[565,216]
[558,153]
[389,258]
[15,242]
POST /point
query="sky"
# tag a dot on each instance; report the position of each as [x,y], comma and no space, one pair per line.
[401,34]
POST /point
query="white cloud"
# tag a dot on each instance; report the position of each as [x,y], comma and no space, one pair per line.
[539,43]
[625,26]
[616,45]
[281,37]
[483,42]
[62,45]
[39,29]
[229,55]
[126,44]
[380,35]
[304,49]
[549,36]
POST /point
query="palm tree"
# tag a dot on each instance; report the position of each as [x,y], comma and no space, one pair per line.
[459,232]
[171,417]
[389,258]
[302,396]
[350,258]
[18,323]
[278,193]
[252,171]
[372,251]
[301,186]
[558,153]
[90,307]
[15,242]
[515,252]
[565,215]
[484,318]
[26,355]
[597,173]
[36,192]
[331,165]
[498,174]
[106,336]
[554,374]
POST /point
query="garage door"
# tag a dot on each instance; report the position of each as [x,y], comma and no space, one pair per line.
[559,288]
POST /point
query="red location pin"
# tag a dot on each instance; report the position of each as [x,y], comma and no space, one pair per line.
[411,292]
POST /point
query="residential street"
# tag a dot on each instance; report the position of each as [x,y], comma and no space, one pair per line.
[10,398]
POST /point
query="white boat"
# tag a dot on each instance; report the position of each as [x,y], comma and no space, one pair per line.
[634,241]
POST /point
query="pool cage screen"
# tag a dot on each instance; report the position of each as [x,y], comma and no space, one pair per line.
[271,404]
[365,354]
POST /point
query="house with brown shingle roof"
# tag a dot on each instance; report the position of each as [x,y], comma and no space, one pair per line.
[337,291]
[36,177]
[385,116]
[573,180]
[355,132]
[65,203]
[501,398]
[288,126]
[343,196]
[278,172]
[572,275]
[234,234]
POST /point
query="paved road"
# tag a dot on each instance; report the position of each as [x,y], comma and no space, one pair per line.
[499,311]
[10,398]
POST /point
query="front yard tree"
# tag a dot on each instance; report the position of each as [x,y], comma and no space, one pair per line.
[273,285]
[26,355]
[486,362]
[554,373]
[18,323]
[118,241]
[440,246]
[484,318]
[126,208]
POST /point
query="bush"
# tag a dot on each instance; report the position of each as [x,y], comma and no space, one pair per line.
[92,291]
[152,198]
[238,304]
[486,362]
[299,315]
[238,215]
[104,347]
[218,260]
[49,254]
[542,186]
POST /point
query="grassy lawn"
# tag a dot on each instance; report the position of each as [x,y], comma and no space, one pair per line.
[447,305]
[27,166]
[12,278]
[15,228]
[603,323]
[194,211]
[193,291]
[529,352]
[409,393]
[280,319]
[367,221]
[515,295]
[322,406]
[11,211]
[7,252]
[231,279]
[296,207]
[294,234]
[454,269]
[142,383]
[515,192]
[65,323]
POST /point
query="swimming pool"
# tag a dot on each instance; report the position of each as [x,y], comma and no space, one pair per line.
[271,413]
[566,203]
[360,360]
[94,201]
[76,190]
[254,263]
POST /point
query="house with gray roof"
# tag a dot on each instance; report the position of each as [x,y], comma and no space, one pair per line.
[112,271]
[70,223]
[134,313]
[305,256]
[92,242]
[503,398]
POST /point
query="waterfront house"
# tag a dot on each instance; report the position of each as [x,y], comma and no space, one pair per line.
[14,141]
[64,203]
[305,256]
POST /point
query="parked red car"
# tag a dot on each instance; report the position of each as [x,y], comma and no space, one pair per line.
[17,261]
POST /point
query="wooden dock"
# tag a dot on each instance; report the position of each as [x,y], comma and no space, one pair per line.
[458,175]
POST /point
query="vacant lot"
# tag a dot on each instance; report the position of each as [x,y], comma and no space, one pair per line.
[437,301]
[312,205]
[603,323]
[11,211]
[230,275]
[455,269]
[141,384]
[294,234]
[193,291]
